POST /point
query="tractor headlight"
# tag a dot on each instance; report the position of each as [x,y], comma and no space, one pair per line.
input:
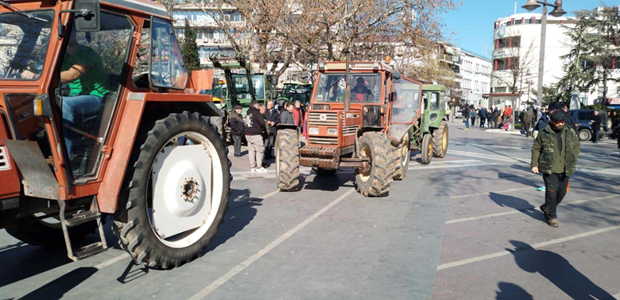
[332,131]
[313,130]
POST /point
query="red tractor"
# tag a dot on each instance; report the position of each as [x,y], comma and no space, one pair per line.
[365,127]
[99,116]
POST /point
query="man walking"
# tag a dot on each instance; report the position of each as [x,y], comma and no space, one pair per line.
[254,128]
[554,154]
[272,117]
[237,129]
[596,126]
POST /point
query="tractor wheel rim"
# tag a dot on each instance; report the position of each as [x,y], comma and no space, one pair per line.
[430,148]
[189,193]
[365,152]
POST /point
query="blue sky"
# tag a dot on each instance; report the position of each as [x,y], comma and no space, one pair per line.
[471,26]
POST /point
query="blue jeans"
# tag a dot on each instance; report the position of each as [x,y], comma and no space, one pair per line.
[466,122]
[77,110]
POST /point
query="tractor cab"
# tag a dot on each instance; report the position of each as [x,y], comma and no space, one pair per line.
[294,91]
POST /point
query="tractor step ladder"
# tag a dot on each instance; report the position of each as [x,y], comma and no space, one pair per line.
[77,219]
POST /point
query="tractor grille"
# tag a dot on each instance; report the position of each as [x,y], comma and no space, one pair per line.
[4,159]
[323,140]
[348,130]
[323,118]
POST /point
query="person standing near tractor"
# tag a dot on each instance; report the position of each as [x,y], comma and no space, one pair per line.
[287,117]
[254,128]
[528,116]
[272,118]
[554,154]
[237,129]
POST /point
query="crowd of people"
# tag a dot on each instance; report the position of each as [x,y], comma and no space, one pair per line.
[258,126]
[487,117]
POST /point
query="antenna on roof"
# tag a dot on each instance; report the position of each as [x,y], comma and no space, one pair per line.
[515,7]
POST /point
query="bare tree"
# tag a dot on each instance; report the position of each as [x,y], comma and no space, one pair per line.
[511,72]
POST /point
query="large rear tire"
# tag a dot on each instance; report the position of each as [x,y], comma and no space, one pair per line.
[427,149]
[138,227]
[403,158]
[287,160]
[47,234]
[375,182]
[440,140]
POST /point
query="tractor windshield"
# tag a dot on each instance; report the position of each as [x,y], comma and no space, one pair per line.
[23,44]
[365,88]
[242,88]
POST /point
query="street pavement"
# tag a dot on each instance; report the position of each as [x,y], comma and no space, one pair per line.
[464,227]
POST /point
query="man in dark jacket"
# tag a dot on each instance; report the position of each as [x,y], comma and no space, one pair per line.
[483,116]
[254,128]
[528,116]
[272,118]
[496,115]
[554,154]
[237,129]
[286,117]
[490,117]
[596,126]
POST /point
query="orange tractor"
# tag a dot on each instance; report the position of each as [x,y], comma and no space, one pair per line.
[99,116]
[365,125]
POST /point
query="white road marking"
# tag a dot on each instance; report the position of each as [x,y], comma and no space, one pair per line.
[449,166]
[518,211]
[270,194]
[534,246]
[111,261]
[240,267]
[607,171]
[489,193]
[489,156]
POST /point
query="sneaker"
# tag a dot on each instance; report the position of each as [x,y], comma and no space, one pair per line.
[261,170]
[253,170]
[554,223]
[545,211]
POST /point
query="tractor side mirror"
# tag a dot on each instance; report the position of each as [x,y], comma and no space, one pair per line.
[88,19]
[396,76]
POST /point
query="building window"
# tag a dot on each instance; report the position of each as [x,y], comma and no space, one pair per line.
[500,89]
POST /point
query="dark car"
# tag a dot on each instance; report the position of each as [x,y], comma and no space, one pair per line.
[584,118]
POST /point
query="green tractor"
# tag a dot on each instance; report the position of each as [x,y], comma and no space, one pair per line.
[295,91]
[430,134]
[241,85]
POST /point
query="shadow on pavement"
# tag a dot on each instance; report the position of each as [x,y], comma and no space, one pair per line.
[236,217]
[557,270]
[130,273]
[511,291]
[57,288]
[330,183]
[518,204]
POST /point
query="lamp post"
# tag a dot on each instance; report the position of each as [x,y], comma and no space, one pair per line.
[557,11]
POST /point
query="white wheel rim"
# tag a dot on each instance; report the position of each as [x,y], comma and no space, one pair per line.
[365,153]
[206,208]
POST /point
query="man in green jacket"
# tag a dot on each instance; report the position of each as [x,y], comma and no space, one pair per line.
[554,154]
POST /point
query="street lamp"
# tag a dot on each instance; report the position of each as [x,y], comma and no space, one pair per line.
[556,12]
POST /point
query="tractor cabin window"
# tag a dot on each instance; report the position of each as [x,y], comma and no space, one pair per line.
[365,88]
[167,69]
[91,72]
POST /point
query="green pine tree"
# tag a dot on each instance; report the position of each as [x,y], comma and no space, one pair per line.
[594,53]
[189,49]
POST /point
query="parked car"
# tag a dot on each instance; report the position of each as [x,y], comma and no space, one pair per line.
[584,119]
[458,114]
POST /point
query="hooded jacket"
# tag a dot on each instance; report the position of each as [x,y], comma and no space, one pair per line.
[254,122]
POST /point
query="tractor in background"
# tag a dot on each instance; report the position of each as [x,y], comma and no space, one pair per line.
[430,133]
[365,125]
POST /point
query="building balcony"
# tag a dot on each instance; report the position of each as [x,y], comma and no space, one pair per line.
[506,52]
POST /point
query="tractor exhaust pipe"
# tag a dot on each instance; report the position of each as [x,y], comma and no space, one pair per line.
[347,87]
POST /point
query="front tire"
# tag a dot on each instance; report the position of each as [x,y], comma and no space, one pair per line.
[585,135]
[375,182]
[403,155]
[287,160]
[139,228]
[427,149]
[440,140]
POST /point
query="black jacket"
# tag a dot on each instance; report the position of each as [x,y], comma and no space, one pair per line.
[254,122]
[274,116]
[237,127]
[570,123]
